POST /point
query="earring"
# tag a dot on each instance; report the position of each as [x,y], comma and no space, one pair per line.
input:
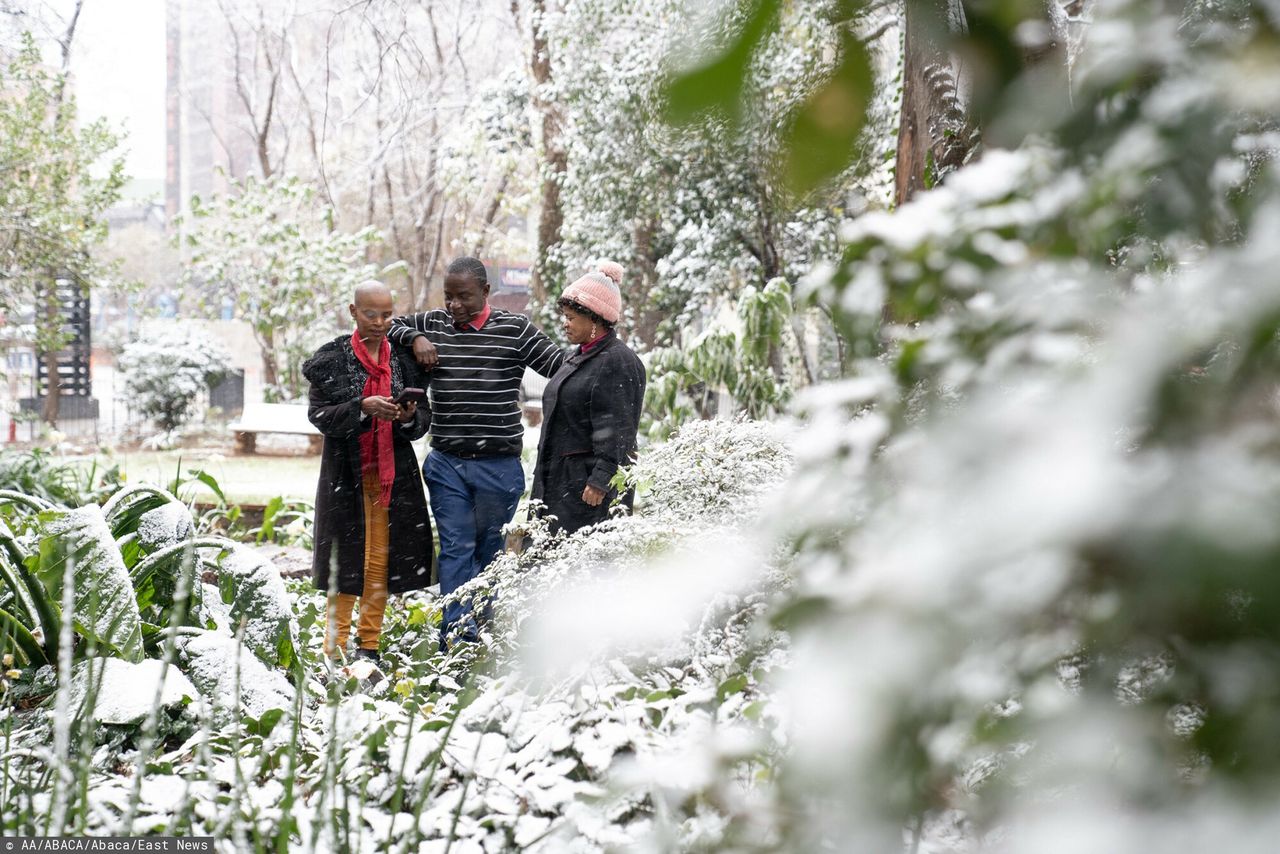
[594,333]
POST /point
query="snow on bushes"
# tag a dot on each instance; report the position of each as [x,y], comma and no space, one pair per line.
[627,659]
[1042,536]
[118,692]
[80,564]
[166,373]
[252,586]
[520,741]
[1017,595]
[230,679]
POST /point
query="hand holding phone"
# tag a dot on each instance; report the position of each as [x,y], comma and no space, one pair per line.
[414,395]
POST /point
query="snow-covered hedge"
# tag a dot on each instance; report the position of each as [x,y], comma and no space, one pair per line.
[165,374]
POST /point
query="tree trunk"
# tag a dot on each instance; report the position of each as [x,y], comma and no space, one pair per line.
[644,281]
[554,160]
[490,215]
[264,134]
[935,134]
[267,343]
[433,261]
[53,382]
[424,259]
[770,259]
[799,329]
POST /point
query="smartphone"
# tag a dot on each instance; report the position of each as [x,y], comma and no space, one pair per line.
[416,395]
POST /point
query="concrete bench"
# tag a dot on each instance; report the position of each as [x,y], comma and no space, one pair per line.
[288,418]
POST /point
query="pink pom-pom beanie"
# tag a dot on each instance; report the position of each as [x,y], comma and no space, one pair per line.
[598,291]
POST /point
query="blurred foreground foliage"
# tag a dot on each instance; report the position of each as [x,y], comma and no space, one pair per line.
[1036,567]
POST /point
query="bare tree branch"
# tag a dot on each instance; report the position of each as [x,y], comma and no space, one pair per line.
[64,46]
[68,35]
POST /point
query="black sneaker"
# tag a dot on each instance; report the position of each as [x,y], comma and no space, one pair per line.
[369,655]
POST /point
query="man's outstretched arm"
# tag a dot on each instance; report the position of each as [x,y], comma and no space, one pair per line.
[411,331]
[541,353]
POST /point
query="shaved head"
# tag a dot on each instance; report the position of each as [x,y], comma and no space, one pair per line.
[371,291]
[372,309]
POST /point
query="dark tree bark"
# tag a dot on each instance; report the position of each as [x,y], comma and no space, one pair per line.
[642,325]
[935,132]
[491,215]
[53,383]
[555,160]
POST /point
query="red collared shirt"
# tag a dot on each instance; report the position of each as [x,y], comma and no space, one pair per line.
[480,319]
[586,348]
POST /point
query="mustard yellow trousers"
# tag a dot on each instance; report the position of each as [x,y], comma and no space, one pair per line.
[373,600]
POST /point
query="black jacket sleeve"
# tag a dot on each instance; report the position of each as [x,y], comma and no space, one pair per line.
[615,420]
[417,378]
[336,420]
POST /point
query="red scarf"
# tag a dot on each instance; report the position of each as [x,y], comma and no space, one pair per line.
[378,437]
[590,345]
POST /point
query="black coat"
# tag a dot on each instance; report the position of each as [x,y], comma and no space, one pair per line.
[590,417]
[337,385]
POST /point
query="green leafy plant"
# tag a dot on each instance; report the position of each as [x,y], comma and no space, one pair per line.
[119,568]
[285,522]
[43,474]
[753,363]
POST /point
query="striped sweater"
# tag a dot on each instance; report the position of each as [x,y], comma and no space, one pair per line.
[475,388]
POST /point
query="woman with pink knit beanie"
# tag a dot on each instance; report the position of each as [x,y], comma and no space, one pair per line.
[591,407]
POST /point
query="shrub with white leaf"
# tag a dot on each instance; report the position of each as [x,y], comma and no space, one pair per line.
[165,374]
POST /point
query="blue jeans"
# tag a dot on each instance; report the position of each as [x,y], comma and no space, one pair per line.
[471,501]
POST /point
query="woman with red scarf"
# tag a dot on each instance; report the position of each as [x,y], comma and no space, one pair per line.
[372,533]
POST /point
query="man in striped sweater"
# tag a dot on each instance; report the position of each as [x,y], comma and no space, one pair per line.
[473,471]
